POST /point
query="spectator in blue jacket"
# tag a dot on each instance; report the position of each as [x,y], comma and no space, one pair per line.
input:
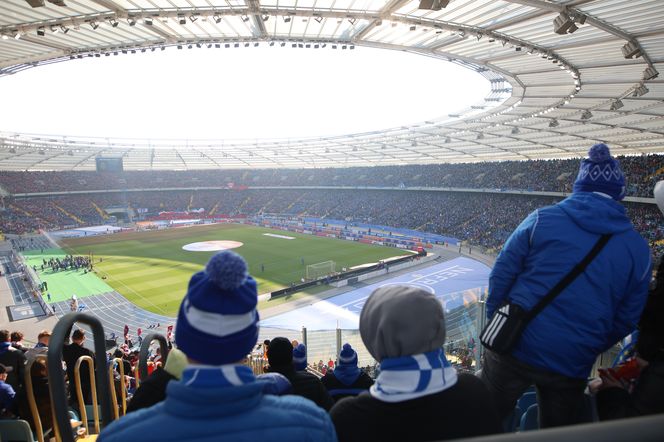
[218,398]
[602,305]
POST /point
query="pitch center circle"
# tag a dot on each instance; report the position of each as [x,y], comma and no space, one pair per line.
[211,246]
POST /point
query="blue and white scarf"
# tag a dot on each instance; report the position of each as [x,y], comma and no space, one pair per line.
[411,377]
[207,376]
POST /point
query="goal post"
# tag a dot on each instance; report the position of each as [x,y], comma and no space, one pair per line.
[320,270]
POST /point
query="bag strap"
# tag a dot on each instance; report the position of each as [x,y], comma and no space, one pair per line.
[571,276]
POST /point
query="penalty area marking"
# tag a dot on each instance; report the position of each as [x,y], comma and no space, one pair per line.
[273,235]
[211,246]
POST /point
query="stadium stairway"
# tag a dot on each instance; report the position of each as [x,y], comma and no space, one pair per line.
[214,208]
[70,215]
[99,210]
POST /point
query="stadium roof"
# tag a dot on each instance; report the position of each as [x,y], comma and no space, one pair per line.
[553,93]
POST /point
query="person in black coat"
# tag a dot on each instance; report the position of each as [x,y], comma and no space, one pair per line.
[70,354]
[14,358]
[418,395]
[347,379]
[152,390]
[280,358]
[618,398]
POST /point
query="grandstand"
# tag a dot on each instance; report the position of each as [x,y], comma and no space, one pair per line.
[429,204]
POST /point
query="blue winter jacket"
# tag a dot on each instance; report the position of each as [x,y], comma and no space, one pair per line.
[204,412]
[600,307]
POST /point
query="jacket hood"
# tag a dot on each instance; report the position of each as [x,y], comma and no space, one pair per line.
[596,213]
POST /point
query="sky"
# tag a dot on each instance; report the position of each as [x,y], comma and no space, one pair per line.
[244,93]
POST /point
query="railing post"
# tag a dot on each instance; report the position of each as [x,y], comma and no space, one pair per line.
[338,343]
[481,322]
[145,350]
[57,381]
[304,338]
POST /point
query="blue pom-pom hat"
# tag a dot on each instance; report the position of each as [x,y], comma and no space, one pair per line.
[601,173]
[347,356]
[300,357]
[218,321]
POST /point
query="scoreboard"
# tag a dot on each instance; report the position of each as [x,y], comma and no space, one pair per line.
[109,164]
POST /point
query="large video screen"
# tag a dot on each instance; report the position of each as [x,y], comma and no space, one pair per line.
[109,164]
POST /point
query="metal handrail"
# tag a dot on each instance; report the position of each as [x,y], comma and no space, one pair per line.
[57,383]
[79,392]
[32,402]
[123,390]
[145,349]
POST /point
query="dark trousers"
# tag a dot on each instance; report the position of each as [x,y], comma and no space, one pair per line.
[560,399]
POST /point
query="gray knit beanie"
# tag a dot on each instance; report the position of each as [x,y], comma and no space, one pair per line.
[400,320]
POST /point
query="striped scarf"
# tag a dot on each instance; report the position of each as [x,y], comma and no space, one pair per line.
[411,377]
[207,376]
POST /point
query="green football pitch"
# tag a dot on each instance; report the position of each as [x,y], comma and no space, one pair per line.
[152,270]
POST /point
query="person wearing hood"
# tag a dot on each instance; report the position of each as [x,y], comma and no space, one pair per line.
[557,349]
[347,379]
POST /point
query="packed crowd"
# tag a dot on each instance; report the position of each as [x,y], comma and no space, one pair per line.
[482,219]
[207,390]
[536,175]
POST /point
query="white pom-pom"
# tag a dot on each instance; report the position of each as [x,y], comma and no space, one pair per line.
[227,270]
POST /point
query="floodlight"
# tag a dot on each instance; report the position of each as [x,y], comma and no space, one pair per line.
[287,19]
[563,23]
[650,73]
[631,50]
[182,19]
[640,91]
[515,131]
[245,18]
[113,22]
[217,19]
[433,5]
[193,18]
[352,20]
[448,140]
[131,21]
[586,115]
[265,17]
[94,25]
[480,136]
[318,19]
[617,104]
[64,29]
[554,123]
[147,21]
[40,31]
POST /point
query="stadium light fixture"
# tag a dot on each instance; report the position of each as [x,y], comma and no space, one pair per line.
[287,19]
[564,24]
[217,19]
[64,29]
[433,5]
[113,22]
[182,19]
[17,36]
[318,19]
[448,140]
[265,17]
[131,21]
[617,104]
[480,136]
[245,18]
[94,25]
[40,31]
[631,50]
[352,20]
[554,123]
[283,43]
[515,131]
[147,21]
[193,18]
[640,91]
[650,73]
[54,29]
[586,115]
[179,46]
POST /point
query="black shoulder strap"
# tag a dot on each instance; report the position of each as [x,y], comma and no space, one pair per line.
[571,276]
